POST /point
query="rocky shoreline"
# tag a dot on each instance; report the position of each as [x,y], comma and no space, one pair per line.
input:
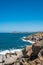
[25,39]
[34,38]
[30,55]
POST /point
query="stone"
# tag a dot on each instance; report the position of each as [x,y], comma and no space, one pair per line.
[40,55]
[19,54]
[31,63]
[37,61]
[1,58]
[27,51]
[36,48]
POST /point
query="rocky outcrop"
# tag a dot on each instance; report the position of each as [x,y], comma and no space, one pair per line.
[33,55]
[30,55]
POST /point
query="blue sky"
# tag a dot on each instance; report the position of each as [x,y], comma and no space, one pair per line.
[21,15]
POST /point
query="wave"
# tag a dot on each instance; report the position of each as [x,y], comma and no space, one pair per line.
[27,40]
[9,51]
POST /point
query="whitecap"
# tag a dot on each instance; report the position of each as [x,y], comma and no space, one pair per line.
[28,40]
[9,51]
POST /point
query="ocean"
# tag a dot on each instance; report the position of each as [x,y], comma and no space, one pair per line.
[14,41]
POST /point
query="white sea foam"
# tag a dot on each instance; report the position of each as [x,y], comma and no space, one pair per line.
[28,40]
[9,51]
[15,50]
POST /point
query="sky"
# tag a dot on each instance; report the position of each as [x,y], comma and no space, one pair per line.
[21,15]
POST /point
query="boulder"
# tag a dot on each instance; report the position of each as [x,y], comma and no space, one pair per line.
[16,63]
[27,51]
[1,58]
[23,62]
[40,55]
[31,63]
[19,54]
[37,61]
[10,60]
[36,48]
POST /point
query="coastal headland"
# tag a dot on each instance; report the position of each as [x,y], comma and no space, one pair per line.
[34,38]
[30,55]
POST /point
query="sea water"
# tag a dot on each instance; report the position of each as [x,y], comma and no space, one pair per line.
[12,41]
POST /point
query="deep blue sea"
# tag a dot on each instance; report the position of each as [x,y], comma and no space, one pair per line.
[13,40]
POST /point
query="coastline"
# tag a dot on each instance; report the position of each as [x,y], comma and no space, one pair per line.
[3,52]
[10,51]
[28,40]
[18,56]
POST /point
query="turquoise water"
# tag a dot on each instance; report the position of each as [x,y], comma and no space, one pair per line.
[13,40]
